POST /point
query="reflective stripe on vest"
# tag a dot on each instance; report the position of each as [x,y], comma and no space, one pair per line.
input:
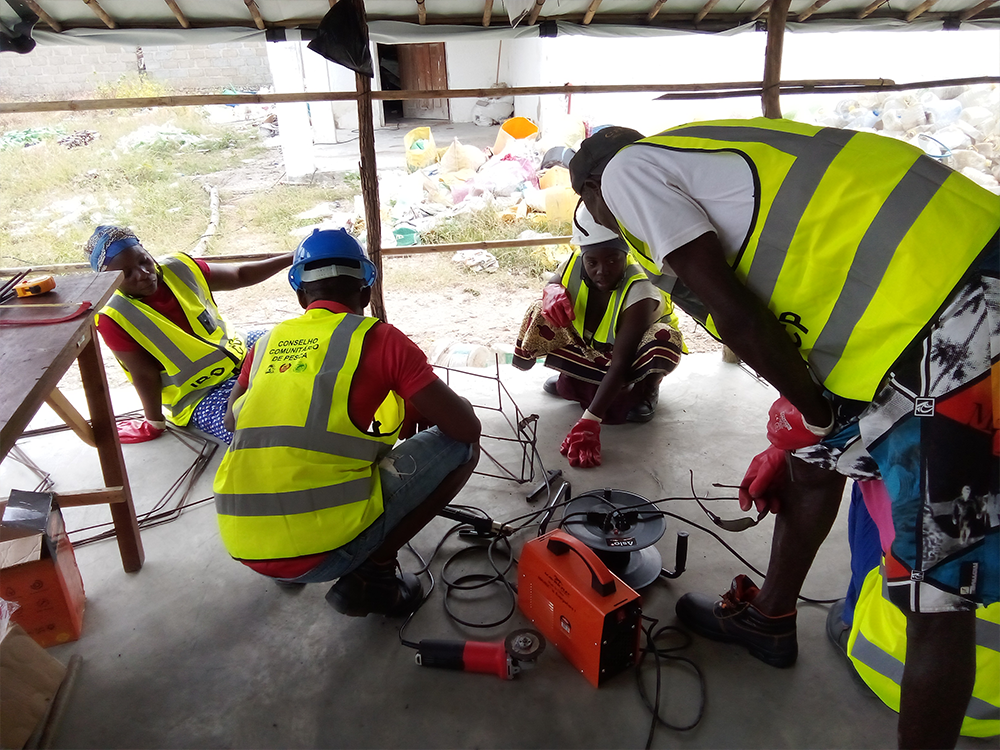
[299,478]
[578,291]
[193,363]
[877,647]
[853,244]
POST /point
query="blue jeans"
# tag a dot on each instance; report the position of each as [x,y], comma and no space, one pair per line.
[410,473]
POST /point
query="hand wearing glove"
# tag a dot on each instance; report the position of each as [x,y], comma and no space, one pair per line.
[787,429]
[140,430]
[766,473]
[582,445]
[556,305]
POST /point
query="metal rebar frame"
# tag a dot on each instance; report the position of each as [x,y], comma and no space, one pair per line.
[523,429]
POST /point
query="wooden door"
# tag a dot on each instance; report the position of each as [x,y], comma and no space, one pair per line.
[422,67]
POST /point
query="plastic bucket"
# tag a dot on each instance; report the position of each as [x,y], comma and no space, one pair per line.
[560,202]
[554,177]
[406,236]
[514,129]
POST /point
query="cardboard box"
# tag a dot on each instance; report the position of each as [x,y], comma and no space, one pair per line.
[29,679]
[38,569]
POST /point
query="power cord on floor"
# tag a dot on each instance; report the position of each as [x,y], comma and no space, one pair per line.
[662,656]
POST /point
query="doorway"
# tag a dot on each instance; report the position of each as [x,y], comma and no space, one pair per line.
[414,67]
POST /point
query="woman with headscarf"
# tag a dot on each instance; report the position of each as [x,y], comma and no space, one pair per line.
[167,333]
[607,330]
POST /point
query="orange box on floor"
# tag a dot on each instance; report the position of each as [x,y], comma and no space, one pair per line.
[38,569]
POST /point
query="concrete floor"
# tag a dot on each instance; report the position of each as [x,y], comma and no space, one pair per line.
[195,650]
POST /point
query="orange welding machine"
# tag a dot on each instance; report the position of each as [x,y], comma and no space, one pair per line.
[591,616]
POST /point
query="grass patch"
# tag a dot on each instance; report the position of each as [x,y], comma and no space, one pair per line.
[130,86]
[55,196]
[487,225]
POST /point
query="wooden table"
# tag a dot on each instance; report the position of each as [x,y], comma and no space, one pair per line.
[33,359]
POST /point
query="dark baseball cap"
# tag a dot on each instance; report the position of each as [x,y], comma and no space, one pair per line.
[595,153]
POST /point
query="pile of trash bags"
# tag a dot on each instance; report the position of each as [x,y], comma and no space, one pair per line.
[522,175]
[959,125]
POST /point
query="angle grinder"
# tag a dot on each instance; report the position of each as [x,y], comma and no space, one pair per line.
[503,658]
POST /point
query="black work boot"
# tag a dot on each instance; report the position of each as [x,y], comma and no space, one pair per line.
[734,619]
[375,588]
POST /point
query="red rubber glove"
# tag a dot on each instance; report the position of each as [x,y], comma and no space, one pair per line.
[788,430]
[556,305]
[766,473]
[139,431]
[582,445]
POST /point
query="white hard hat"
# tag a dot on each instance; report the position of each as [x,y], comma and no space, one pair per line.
[586,230]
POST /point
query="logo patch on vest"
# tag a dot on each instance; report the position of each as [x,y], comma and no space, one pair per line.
[795,321]
[923,407]
[207,321]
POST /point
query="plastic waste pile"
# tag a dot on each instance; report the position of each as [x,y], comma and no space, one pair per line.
[523,175]
[958,125]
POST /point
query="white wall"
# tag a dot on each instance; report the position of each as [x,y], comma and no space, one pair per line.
[904,56]
[471,65]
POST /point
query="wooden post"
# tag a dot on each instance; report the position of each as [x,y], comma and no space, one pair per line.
[776,16]
[369,180]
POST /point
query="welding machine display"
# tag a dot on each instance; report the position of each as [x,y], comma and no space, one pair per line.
[591,616]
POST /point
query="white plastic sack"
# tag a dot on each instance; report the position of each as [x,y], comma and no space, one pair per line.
[459,157]
[493,111]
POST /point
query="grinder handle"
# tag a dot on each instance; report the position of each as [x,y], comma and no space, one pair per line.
[602,581]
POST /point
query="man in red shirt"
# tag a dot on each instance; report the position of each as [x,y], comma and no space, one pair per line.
[314,487]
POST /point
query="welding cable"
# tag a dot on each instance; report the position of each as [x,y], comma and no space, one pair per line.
[462,583]
[476,581]
[664,653]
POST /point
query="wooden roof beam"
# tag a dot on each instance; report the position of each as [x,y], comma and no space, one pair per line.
[761,10]
[655,9]
[705,10]
[255,13]
[926,5]
[178,14]
[487,12]
[37,9]
[589,15]
[965,15]
[872,8]
[810,10]
[533,16]
[101,13]
[421,13]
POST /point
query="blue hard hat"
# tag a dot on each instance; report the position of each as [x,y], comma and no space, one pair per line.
[331,245]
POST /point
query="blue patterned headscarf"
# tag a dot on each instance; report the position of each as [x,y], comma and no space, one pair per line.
[106,242]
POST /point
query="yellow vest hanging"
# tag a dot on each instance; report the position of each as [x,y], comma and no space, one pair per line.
[577,289]
[193,363]
[877,647]
[300,478]
[855,242]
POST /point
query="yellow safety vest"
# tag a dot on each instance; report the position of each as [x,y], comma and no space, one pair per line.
[576,287]
[877,647]
[300,478]
[193,363]
[855,242]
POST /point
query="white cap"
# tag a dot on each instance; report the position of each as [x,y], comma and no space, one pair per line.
[586,230]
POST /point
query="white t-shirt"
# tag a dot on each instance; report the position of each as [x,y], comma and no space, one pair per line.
[668,198]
